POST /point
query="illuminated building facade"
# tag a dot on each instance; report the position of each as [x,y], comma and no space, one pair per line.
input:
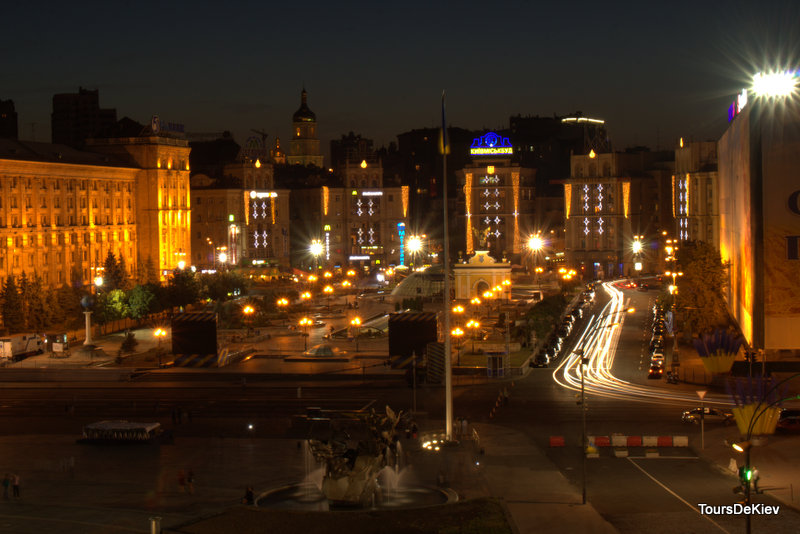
[239,217]
[163,209]
[498,198]
[304,147]
[759,221]
[363,223]
[62,211]
[695,193]
[608,199]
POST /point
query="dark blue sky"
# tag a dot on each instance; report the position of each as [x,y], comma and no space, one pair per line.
[653,70]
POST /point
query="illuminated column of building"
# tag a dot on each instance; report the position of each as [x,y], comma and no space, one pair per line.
[567,199]
[515,191]
[468,198]
[405,190]
[626,198]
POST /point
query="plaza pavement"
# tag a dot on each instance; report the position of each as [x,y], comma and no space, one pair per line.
[109,491]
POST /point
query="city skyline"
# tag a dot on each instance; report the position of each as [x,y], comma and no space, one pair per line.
[653,74]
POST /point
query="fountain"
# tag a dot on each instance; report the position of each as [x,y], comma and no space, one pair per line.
[358,462]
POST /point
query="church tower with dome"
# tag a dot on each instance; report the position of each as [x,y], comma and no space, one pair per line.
[304,147]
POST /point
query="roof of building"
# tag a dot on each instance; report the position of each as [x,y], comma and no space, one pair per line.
[304,114]
[12,149]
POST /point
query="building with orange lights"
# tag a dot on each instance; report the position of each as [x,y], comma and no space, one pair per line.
[759,221]
[62,210]
[695,192]
[498,200]
[239,218]
[610,198]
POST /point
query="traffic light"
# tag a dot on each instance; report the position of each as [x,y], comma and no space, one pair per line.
[745,474]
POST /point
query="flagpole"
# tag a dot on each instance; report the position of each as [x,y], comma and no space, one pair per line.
[448,371]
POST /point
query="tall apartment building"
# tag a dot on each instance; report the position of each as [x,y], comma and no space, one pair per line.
[163,205]
[62,211]
[8,120]
[695,192]
[610,198]
[498,199]
[77,116]
[236,210]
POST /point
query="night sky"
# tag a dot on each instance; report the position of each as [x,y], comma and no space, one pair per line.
[653,72]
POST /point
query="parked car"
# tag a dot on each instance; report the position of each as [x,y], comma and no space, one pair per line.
[540,360]
[657,359]
[711,415]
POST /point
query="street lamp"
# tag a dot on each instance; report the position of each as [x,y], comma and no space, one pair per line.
[328,290]
[316,250]
[535,245]
[159,334]
[355,322]
[457,333]
[507,285]
[282,303]
[414,246]
[584,361]
[458,310]
[474,325]
[248,312]
[305,323]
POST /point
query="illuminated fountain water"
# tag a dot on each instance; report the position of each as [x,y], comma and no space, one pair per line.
[360,463]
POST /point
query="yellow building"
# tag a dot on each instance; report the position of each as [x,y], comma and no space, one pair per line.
[62,211]
[162,196]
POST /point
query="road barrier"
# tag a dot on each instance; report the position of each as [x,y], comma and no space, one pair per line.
[556,441]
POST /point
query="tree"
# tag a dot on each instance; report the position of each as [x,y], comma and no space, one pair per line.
[141,302]
[69,303]
[183,288]
[113,277]
[125,279]
[13,316]
[39,311]
[699,299]
[24,293]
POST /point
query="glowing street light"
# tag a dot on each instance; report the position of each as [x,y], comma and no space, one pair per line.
[355,322]
[474,325]
[327,274]
[316,249]
[328,290]
[774,84]
[304,324]
[351,272]
[159,334]
[248,312]
[457,333]
[414,246]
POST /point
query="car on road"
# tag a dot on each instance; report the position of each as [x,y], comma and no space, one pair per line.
[657,343]
[657,359]
[711,415]
[540,360]
[324,350]
[655,372]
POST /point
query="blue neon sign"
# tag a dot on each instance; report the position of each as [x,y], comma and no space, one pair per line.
[401,232]
[491,144]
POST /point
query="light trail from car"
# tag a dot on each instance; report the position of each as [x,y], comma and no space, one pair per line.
[599,341]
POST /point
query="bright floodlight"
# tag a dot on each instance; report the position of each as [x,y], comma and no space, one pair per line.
[415,244]
[774,84]
[637,246]
[535,243]
[315,248]
[98,281]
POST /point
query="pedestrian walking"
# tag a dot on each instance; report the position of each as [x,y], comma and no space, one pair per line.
[6,484]
[15,485]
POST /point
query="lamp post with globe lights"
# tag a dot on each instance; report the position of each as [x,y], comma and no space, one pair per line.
[473,325]
[457,333]
[535,245]
[355,322]
[248,314]
[304,324]
[159,334]
[328,290]
[414,247]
